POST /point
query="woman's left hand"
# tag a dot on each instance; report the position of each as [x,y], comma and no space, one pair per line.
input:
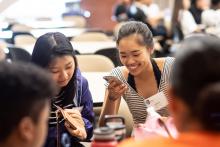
[78,122]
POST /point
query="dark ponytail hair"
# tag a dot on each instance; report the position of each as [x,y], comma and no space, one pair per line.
[136,28]
[195,72]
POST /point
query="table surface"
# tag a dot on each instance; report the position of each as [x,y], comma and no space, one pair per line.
[87,47]
[86,144]
[96,85]
[68,32]
[45,24]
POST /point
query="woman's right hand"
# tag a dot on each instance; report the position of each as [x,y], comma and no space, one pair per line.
[76,119]
[116,89]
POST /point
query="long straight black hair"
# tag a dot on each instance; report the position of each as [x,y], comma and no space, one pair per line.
[48,47]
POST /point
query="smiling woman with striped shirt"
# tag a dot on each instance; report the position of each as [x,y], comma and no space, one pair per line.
[142,76]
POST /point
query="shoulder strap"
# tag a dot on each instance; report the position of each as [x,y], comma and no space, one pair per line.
[131,81]
[157,72]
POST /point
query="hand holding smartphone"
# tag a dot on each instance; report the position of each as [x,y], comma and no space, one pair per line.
[73,122]
[114,78]
[66,116]
[116,87]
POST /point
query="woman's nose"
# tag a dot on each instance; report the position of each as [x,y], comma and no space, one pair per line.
[129,60]
[64,75]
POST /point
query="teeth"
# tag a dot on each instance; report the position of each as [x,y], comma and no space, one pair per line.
[132,66]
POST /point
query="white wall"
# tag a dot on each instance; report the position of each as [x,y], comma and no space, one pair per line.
[5,3]
[30,9]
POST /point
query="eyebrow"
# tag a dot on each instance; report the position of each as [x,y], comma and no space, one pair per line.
[69,63]
[135,51]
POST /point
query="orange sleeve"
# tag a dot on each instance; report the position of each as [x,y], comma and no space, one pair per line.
[150,142]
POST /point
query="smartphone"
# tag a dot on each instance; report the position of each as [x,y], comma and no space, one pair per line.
[66,116]
[107,78]
[68,119]
[78,108]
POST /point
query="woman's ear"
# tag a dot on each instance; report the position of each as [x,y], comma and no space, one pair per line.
[150,50]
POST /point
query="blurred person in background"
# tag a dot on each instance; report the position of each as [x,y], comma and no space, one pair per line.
[120,10]
[197,7]
[211,17]
[149,13]
[152,11]
[183,18]
[154,16]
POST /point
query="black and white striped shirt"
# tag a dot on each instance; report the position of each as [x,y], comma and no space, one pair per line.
[135,102]
[58,100]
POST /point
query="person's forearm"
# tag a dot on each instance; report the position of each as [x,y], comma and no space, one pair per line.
[109,107]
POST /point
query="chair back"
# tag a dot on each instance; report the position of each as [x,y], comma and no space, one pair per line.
[20,28]
[92,36]
[18,54]
[94,63]
[111,53]
[24,39]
